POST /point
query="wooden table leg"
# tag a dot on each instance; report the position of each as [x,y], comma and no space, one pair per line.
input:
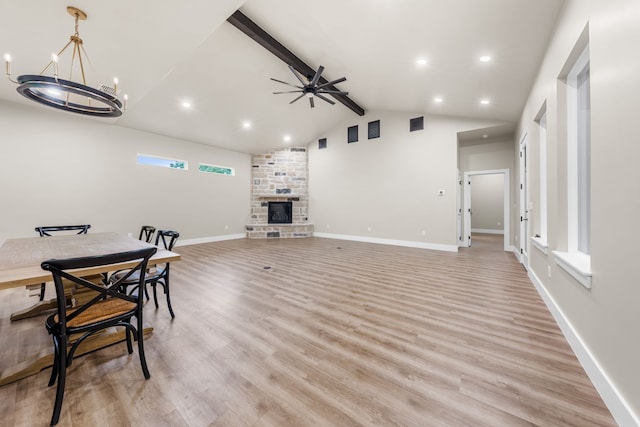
[44,359]
[71,291]
[35,310]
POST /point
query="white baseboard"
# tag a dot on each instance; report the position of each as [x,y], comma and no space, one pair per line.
[516,251]
[210,239]
[618,406]
[486,231]
[405,243]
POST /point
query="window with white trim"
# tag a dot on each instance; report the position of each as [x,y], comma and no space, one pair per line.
[215,169]
[542,163]
[579,155]
[575,76]
[163,162]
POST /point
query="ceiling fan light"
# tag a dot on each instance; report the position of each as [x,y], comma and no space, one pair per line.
[309,94]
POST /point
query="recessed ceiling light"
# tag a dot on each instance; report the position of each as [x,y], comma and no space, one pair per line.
[438,100]
[485,136]
[186,105]
[485,58]
[287,138]
[421,61]
[485,101]
[246,124]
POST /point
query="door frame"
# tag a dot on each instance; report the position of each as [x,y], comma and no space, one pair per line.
[506,223]
[524,203]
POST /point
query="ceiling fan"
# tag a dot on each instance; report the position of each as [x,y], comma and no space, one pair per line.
[310,87]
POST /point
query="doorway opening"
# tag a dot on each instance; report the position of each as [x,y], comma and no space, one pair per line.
[487,193]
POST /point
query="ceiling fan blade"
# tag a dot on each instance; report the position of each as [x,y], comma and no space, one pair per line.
[288,84]
[287,91]
[297,98]
[311,102]
[333,92]
[317,76]
[336,81]
[295,73]
[324,98]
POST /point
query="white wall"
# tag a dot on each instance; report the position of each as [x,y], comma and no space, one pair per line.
[602,323]
[386,189]
[487,202]
[479,155]
[62,169]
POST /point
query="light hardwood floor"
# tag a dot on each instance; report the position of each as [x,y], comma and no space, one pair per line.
[321,332]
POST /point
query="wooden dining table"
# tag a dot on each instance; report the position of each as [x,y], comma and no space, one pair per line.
[20,261]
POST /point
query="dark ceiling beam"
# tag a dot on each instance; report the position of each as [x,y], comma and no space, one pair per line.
[250,28]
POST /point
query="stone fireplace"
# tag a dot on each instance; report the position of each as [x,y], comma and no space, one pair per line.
[279,199]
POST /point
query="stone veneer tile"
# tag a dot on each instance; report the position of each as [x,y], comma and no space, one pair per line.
[280,176]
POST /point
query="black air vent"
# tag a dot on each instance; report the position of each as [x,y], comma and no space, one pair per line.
[416,124]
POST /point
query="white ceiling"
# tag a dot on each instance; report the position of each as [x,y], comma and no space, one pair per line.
[167,52]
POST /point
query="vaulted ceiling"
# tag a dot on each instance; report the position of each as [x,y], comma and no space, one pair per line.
[169,53]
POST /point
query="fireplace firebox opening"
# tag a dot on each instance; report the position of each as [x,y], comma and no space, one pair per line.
[280,213]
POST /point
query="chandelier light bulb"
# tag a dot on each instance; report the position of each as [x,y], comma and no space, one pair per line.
[54,59]
[115,86]
[7,62]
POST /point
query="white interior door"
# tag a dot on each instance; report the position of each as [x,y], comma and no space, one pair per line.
[459,211]
[467,210]
[524,203]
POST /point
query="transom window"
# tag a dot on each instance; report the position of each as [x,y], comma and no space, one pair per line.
[163,162]
[219,170]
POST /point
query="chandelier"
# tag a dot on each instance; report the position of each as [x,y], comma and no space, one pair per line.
[68,95]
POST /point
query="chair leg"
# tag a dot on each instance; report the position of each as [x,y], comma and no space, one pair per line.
[143,360]
[155,295]
[43,288]
[166,291]
[54,368]
[62,376]
[127,334]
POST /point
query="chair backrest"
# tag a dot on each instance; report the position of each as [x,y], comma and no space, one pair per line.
[60,269]
[146,233]
[47,229]
[167,238]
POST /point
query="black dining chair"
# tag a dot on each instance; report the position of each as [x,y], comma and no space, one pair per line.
[108,308]
[158,275]
[46,230]
[146,233]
